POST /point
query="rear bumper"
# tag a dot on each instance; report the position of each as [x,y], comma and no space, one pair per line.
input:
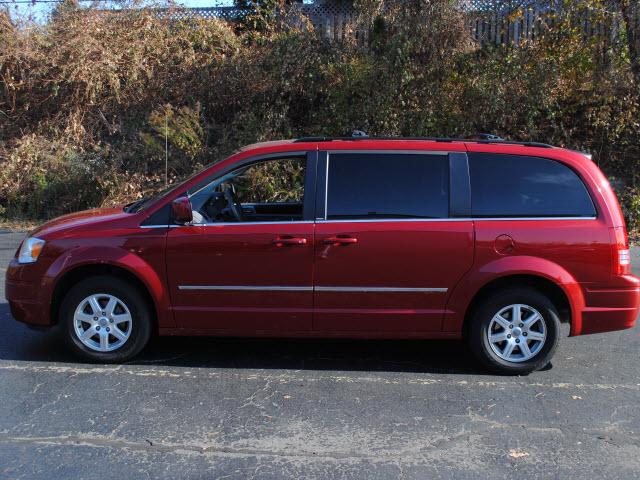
[614,307]
[25,298]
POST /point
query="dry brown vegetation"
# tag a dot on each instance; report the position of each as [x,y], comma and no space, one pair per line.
[86,100]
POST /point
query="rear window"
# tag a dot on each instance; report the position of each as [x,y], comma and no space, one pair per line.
[384,185]
[521,186]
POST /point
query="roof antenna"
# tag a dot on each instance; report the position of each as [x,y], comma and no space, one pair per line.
[166,148]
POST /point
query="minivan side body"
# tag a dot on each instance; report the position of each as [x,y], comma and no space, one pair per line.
[382,239]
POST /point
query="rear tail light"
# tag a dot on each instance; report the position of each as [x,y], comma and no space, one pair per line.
[624,257]
[621,254]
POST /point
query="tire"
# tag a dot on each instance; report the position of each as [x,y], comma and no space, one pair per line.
[498,316]
[125,321]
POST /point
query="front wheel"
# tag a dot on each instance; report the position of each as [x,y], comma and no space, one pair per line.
[515,331]
[105,319]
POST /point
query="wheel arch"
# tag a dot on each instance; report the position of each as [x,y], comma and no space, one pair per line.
[76,274]
[556,294]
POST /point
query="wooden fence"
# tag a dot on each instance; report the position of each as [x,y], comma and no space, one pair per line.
[514,26]
[331,21]
[489,22]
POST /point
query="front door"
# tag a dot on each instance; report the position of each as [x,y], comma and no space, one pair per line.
[246,263]
[387,250]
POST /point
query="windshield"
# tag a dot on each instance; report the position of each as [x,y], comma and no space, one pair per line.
[145,202]
[200,197]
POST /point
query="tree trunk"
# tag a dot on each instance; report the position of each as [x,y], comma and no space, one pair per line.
[630,14]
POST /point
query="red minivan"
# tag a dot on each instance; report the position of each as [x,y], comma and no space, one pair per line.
[492,241]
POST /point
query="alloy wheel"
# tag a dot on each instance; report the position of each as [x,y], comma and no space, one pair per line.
[517,333]
[102,322]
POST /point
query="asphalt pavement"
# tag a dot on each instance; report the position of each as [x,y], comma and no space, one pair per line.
[206,408]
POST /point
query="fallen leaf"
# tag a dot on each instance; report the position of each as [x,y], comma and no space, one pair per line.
[576,397]
[287,397]
[517,453]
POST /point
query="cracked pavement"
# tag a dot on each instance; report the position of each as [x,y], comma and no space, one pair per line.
[271,409]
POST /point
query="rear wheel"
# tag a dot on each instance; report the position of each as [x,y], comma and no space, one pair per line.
[105,319]
[515,331]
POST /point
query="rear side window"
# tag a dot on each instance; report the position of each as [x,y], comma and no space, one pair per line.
[521,186]
[385,185]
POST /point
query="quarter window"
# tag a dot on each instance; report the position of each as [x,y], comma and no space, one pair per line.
[381,185]
[522,186]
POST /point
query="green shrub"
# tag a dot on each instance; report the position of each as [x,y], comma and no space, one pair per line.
[40,179]
[176,132]
[630,199]
[87,100]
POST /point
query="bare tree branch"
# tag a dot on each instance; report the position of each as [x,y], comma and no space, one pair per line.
[630,14]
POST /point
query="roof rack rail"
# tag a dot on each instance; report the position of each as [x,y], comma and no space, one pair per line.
[496,140]
[483,136]
[359,134]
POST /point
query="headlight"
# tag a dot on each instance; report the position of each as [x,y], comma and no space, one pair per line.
[30,250]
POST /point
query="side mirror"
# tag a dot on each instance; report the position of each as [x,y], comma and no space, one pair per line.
[181,210]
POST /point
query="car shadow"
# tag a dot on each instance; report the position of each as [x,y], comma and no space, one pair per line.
[20,343]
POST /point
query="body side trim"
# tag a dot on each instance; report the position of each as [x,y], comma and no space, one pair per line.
[247,288]
[378,220]
[380,289]
[283,288]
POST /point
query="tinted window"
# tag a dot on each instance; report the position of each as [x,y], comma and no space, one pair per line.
[378,185]
[520,186]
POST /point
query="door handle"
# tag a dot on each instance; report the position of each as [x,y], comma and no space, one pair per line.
[280,242]
[340,240]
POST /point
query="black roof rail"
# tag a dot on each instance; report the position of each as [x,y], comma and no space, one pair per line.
[359,134]
[483,136]
[496,140]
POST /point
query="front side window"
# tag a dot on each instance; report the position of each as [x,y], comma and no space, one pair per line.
[268,191]
[522,186]
[387,185]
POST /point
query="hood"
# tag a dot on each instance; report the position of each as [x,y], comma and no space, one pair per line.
[79,219]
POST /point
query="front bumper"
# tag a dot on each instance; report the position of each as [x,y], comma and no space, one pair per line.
[23,290]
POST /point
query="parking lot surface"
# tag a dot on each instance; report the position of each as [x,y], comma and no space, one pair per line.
[191,408]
